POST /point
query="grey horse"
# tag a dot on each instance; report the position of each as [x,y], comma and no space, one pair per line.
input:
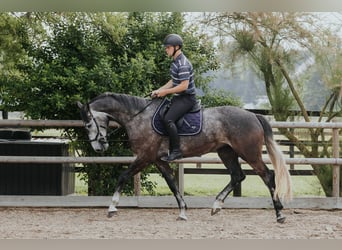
[230,131]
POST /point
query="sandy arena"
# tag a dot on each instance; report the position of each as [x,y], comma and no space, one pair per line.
[92,223]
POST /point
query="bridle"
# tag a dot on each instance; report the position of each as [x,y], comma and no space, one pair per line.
[99,136]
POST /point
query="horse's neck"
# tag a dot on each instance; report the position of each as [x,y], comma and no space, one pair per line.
[128,104]
[120,106]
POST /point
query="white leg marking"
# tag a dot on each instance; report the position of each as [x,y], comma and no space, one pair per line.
[182,215]
[112,208]
[115,201]
[217,205]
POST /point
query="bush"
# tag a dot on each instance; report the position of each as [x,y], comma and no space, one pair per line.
[216,97]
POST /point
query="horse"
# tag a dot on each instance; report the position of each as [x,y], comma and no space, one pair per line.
[230,131]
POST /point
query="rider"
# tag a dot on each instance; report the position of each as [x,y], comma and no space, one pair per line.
[182,86]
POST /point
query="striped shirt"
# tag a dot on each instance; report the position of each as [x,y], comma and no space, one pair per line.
[181,69]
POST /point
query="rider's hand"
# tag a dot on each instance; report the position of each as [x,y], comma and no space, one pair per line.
[154,94]
[158,93]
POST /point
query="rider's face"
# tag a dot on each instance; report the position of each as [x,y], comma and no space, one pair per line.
[169,50]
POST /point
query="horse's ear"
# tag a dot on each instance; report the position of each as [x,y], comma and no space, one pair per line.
[79,104]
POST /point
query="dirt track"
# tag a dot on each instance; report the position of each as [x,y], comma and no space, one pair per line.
[92,223]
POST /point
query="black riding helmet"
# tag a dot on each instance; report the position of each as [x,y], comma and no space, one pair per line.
[173,40]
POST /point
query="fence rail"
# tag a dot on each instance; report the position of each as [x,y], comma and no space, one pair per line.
[335,161]
[46,123]
[12,123]
[130,159]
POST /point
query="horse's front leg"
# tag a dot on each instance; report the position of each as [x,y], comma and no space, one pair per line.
[134,168]
[167,173]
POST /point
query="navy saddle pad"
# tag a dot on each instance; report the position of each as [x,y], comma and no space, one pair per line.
[190,124]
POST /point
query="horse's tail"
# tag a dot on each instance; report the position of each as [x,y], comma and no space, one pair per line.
[283,185]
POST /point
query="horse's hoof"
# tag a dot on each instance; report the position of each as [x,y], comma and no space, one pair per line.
[111,214]
[182,218]
[281,219]
[215,210]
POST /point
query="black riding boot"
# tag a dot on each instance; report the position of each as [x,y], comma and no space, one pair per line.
[174,151]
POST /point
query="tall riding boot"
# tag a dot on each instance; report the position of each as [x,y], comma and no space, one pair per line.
[174,151]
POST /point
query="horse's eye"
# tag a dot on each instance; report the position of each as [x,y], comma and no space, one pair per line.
[88,126]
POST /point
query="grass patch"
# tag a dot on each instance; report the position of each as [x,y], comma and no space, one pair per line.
[211,185]
[81,188]
[252,186]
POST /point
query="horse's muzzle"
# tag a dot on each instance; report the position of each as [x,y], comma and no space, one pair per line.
[100,146]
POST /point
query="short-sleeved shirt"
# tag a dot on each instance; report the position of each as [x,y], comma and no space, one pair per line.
[181,69]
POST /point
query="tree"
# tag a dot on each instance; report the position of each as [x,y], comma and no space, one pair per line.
[12,55]
[274,43]
[76,56]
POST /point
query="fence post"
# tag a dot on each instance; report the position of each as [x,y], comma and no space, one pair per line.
[336,168]
[137,185]
[291,147]
[180,167]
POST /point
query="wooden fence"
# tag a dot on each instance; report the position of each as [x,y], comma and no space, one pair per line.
[335,161]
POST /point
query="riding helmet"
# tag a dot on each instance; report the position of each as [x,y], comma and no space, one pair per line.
[173,40]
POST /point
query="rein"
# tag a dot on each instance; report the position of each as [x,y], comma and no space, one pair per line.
[146,106]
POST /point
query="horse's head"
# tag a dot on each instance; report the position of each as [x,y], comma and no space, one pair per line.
[96,124]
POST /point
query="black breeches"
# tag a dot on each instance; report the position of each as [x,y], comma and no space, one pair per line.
[179,106]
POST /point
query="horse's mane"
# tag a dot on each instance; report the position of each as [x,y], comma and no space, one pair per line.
[128,101]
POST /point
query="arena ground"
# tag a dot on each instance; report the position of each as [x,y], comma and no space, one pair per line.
[142,223]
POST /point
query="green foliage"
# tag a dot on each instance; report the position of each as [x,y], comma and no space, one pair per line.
[76,56]
[245,41]
[215,98]
[12,57]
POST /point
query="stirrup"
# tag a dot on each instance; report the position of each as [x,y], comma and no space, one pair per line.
[174,155]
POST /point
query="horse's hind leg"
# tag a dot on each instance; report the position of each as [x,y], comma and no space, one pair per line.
[167,173]
[268,177]
[231,162]
[270,183]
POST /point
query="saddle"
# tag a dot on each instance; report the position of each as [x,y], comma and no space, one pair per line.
[189,124]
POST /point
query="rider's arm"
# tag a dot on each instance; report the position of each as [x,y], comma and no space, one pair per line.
[166,85]
[168,88]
